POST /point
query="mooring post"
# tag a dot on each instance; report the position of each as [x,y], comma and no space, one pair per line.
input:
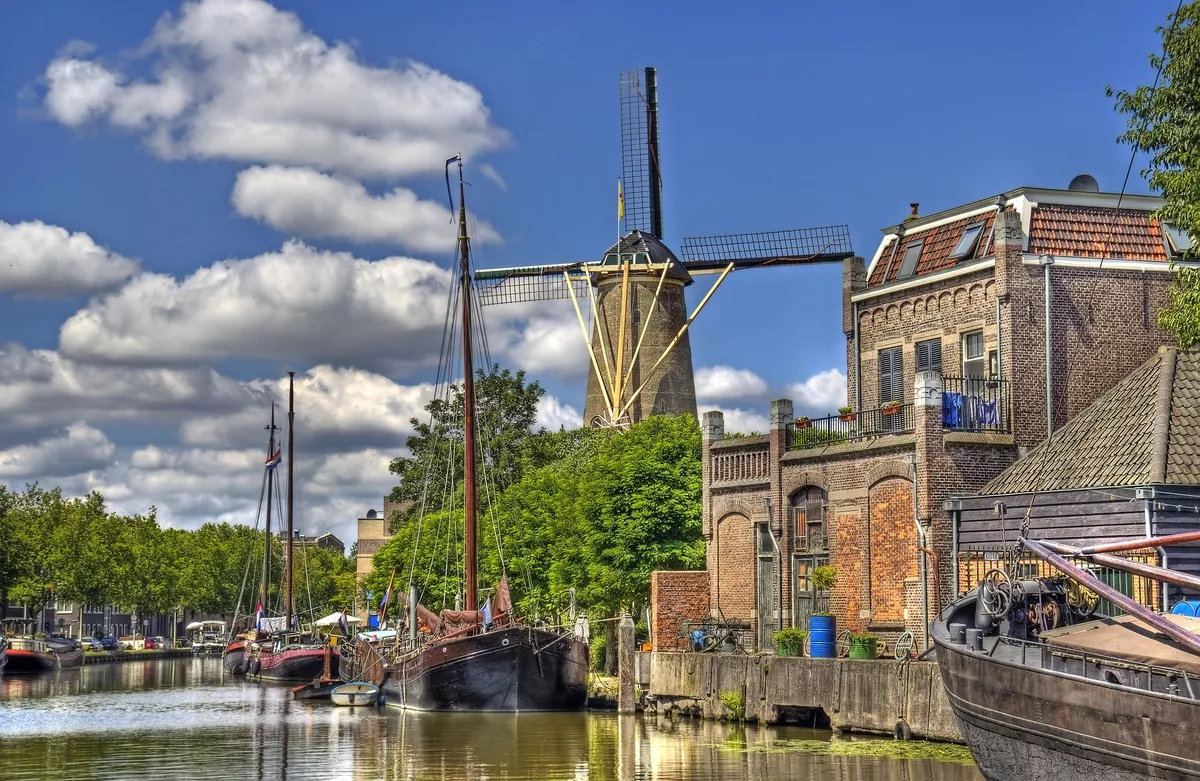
[626,664]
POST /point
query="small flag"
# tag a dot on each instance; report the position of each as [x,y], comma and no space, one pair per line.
[620,201]
[274,460]
[258,616]
[455,159]
[387,597]
[343,624]
[487,613]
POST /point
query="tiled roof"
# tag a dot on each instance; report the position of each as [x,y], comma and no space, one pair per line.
[1093,232]
[1112,443]
[935,254]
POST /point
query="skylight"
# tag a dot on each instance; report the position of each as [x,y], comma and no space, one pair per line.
[1178,241]
[968,240]
[912,253]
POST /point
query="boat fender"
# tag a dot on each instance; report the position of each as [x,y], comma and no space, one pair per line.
[902,731]
[239,668]
[255,667]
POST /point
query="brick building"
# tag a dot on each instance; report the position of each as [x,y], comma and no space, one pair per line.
[970,335]
[328,541]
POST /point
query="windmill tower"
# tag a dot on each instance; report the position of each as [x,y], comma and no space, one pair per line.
[638,344]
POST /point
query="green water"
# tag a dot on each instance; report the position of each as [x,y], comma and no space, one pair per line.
[183,719]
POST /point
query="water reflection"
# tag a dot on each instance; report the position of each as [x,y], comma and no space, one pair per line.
[186,718]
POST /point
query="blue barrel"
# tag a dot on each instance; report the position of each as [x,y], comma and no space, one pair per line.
[822,637]
[1187,608]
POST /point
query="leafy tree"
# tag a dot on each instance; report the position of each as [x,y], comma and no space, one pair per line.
[1164,123]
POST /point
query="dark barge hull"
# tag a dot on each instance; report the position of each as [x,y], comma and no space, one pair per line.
[518,669]
[22,662]
[1025,723]
[300,664]
[233,657]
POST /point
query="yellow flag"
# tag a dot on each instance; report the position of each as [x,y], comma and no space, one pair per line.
[620,201]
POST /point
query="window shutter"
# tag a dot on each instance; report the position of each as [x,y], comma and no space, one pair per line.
[891,387]
[929,355]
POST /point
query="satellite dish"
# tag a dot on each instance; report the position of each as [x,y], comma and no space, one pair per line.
[1084,183]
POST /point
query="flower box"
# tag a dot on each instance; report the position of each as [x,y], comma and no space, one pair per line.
[803,423]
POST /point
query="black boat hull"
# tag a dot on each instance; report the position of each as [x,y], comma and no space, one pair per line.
[518,669]
[1026,723]
[233,660]
[299,664]
[22,662]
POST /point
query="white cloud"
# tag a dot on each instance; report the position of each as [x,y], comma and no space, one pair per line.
[822,392]
[488,170]
[540,337]
[45,260]
[76,449]
[552,414]
[243,80]
[299,304]
[726,382]
[308,203]
[741,421]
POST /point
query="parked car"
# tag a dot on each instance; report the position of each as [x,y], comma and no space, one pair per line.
[92,644]
[109,643]
[157,643]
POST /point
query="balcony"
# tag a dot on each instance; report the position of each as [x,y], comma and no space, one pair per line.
[840,429]
[976,404]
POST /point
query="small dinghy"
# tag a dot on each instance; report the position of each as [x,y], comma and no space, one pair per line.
[358,693]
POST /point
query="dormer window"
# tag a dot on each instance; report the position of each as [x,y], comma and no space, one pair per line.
[1178,242]
[968,240]
[912,253]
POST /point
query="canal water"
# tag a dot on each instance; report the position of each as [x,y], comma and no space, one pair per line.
[185,718]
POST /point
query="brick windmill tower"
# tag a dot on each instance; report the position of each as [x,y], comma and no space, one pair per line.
[637,342]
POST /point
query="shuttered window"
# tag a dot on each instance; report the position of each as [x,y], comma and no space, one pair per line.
[929,355]
[891,374]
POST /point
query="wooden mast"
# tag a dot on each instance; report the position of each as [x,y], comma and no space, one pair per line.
[288,550]
[266,581]
[464,250]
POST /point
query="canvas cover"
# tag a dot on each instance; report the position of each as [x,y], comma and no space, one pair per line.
[1126,637]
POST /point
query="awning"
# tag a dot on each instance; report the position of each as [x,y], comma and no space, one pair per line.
[334,618]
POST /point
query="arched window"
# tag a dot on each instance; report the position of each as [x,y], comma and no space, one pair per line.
[808,516]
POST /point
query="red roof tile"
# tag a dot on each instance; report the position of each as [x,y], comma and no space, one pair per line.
[935,254]
[1091,232]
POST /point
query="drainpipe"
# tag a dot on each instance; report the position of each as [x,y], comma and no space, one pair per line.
[857,364]
[1047,261]
[922,548]
[778,567]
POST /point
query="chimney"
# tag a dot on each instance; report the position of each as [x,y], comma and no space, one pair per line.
[914,215]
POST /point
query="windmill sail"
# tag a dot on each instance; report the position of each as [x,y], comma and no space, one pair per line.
[640,165]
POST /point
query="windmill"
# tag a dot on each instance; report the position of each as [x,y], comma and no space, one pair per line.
[638,346]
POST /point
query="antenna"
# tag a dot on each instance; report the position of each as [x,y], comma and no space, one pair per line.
[640,162]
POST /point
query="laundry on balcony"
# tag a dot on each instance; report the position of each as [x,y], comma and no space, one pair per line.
[969,412]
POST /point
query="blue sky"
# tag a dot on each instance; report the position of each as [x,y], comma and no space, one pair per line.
[790,115]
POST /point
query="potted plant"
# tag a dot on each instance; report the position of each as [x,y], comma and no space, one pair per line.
[846,413]
[803,422]
[890,408]
[863,645]
[822,627]
[790,641]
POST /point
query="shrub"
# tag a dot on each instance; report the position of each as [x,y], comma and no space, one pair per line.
[734,705]
[825,577]
[790,641]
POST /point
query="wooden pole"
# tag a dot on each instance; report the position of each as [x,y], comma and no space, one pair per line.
[1145,542]
[1174,631]
[603,332]
[588,343]
[645,328]
[619,381]
[464,244]
[288,549]
[1125,565]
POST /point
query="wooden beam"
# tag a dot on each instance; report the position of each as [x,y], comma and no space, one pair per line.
[587,342]
[1144,542]
[1150,571]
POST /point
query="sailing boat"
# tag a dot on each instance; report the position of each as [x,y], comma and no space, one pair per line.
[472,662]
[289,655]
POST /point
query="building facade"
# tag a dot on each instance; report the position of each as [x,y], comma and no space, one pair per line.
[970,335]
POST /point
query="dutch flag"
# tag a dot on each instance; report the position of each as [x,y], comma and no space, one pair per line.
[258,616]
[274,460]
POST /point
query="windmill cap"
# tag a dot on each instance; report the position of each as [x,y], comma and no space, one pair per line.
[636,242]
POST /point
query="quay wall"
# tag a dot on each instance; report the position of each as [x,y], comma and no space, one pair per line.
[856,694]
[134,656]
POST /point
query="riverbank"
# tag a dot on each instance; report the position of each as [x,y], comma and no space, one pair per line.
[112,657]
[878,696]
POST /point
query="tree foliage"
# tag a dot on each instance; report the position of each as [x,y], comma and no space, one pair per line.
[1164,124]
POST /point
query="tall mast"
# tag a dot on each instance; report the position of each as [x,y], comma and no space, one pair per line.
[266,581]
[464,251]
[287,545]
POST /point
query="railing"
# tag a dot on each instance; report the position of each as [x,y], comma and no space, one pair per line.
[741,465]
[837,429]
[976,404]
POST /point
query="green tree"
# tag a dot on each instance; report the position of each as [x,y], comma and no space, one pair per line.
[1164,123]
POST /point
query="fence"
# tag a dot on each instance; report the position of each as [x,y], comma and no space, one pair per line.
[975,404]
[837,429]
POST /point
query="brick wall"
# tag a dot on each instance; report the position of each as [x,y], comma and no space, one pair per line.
[893,548]
[733,561]
[676,598]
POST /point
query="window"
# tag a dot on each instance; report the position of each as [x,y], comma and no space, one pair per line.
[1178,242]
[929,355]
[993,365]
[891,373]
[968,240]
[64,607]
[912,253]
[972,352]
[808,513]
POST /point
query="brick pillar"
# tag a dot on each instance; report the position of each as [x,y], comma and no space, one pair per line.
[782,415]
[932,468]
[712,429]
[854,278]
[1019,288]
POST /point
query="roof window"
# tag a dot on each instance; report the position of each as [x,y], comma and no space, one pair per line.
[912,253]
[1178,242]
[968,240]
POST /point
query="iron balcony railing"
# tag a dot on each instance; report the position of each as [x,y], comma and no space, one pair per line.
[976,404]
[837,429]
